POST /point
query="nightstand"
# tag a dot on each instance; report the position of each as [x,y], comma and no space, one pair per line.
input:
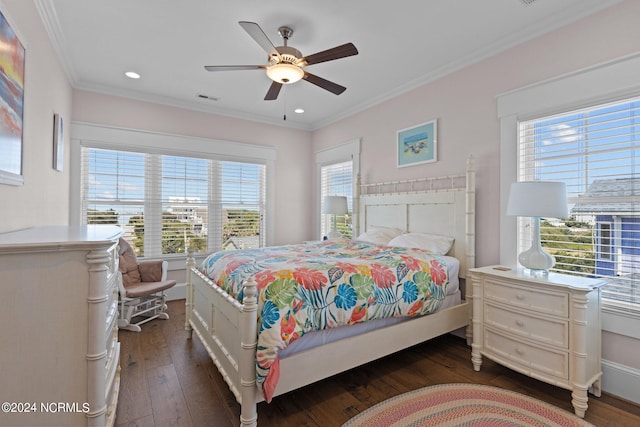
[545,327]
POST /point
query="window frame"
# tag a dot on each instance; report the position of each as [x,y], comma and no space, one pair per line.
[611,81]
[110,138]
[348,151]
[600,241]
[326,222]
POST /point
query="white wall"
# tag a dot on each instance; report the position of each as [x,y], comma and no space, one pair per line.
[292,172]
[43,199]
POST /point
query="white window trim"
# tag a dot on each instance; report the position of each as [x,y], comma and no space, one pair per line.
[599,244]
[98,136]
[349,150]
[599,84]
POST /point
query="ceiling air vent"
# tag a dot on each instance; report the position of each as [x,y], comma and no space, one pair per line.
[527,2]
[210,98]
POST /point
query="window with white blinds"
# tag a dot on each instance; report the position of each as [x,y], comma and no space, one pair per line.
[596,152]
[168,203]
[337,180]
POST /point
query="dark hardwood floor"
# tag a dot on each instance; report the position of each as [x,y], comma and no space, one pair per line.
[169,380]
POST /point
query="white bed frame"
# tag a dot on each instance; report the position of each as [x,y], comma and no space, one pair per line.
[228,329]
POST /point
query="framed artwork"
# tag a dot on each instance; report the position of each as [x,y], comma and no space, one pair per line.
[12,57]
[58,143]
[417,144]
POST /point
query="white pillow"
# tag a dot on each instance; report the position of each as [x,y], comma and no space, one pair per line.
[434,243]
[379,235]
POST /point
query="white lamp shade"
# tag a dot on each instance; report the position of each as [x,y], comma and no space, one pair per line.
[538,199]
[335,205]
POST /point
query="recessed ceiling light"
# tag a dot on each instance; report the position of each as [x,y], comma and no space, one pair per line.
[298,110]
[132,75]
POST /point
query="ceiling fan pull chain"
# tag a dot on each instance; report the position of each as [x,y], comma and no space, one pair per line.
[284,103]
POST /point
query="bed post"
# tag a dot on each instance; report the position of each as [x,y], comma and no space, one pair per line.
[248,344]
[191,262]
[470,215]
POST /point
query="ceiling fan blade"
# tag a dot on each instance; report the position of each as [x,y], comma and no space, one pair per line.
[260,37]
[337,52]
[324,84]
[273,91]
[232,67]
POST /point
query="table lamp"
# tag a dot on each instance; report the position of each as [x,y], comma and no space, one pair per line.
[537,199]
[335,205]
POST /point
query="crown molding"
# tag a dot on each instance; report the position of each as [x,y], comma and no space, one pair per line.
[49,17]
[186,105]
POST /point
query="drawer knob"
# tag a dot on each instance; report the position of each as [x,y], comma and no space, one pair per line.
[519,297]
[520,323]
[519,351]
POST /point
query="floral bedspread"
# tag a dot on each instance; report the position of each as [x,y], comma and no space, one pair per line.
[309,287]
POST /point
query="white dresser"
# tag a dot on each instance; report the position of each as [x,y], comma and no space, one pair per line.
[59,351]
[545,327]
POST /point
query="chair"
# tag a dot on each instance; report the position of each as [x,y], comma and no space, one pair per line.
[141,287]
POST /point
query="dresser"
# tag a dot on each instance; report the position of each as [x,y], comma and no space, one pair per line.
[59,339]
[545,327]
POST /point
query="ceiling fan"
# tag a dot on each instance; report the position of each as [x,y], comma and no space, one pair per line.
[286,63]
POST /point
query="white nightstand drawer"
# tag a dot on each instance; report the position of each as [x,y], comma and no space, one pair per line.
[525,356]
[548,330]
[540,300]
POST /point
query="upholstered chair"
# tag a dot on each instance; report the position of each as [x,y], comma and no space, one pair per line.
[141,287]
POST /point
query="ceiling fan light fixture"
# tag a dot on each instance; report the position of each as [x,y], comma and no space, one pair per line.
[285,73]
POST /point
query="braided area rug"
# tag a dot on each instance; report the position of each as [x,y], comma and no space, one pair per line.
[464,405]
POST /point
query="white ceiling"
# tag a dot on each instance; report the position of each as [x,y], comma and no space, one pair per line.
[402,44]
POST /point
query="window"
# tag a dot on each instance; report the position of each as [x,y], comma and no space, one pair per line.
[337,180]
[337,169]
[604,241]
[596,152]
[167,203]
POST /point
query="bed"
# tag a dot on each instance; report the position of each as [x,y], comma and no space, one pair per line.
[229,328]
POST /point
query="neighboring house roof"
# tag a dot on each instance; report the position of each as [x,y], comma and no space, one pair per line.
[610,196]
[237,242]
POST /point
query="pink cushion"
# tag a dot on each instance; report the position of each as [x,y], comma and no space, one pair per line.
[145,288]
[140,279]
[128,264]
[150,270]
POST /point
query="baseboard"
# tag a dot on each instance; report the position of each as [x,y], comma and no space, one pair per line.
[179,291]
[621,381]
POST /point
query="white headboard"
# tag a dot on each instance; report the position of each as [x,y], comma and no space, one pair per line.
[434,209]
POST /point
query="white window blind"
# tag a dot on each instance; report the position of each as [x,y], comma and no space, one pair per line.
[596,152]
[168,203]
[242,205]
[337,180]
